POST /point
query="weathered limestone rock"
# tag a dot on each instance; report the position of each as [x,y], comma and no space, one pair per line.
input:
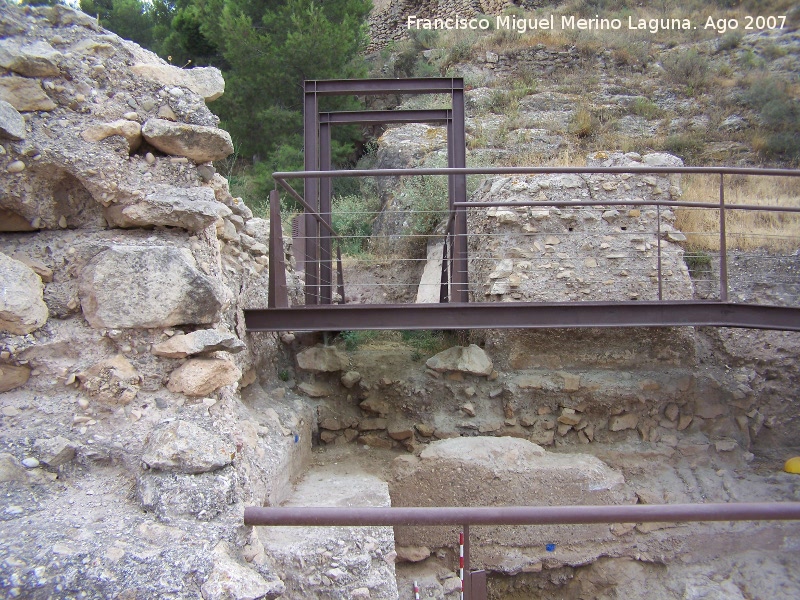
[203,81]
[37,59]
[231,580]
[184,447]
[10,469]
[622,422]
[192,209]
[197,142]
[202,376]
[522,474]
[24,94]
[22,308]
[130,130]
[322,359]
[37,266]
[147,286]
[350,378]
[469,359]
[412,553]
[198,342]
[314,390]
[12,124]
[12,377]
[112,381]
[200,496]
[54,452]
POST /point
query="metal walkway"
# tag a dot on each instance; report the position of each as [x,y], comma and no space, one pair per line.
[324,292]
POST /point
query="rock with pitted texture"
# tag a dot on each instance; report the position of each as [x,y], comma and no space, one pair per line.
[55,451]
[113,381]
[203,81]
[467,359]
[231,580]
[184,447]
[192,209]
[147,286]
[12,124]
[24,94]
[197,142]
[522,474]
[322,359]
[202,376]
[37,59]
[130,130]
[198,342]
[12,377]
[22,308]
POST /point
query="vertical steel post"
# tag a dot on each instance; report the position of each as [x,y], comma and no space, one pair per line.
[277,296]
[658,241]
[339,273]
[448,265]
[723,243]
[325,275]
[467,586]
[444,287]
[460,263]
[310,108]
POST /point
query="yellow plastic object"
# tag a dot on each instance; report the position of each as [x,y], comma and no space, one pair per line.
[792,465]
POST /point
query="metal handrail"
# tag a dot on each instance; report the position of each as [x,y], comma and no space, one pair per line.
[474,586]
[722,206]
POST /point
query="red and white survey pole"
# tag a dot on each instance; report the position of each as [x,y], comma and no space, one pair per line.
[416,591]
[461,561]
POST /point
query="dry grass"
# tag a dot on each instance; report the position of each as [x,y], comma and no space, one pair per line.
[746,230]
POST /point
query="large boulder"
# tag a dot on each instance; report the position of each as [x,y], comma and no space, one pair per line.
[24,94]
[202,376]
[37,59]
[22,308]
[12,377]
[184,447]
[470,359]
[203,81]
[192,209]
[130,130]
[506,471]
[147,287]
[322,359]
[197,142]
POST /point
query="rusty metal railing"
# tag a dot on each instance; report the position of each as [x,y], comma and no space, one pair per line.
[720,313]
[517,515]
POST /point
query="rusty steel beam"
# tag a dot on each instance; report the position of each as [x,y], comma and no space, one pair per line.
[358,87]
[377,117]
[513,315]
[520,515]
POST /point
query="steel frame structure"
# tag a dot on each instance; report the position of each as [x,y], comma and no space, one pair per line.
[317,156]
[458,314]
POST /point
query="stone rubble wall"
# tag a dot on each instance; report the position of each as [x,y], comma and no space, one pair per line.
[125,264]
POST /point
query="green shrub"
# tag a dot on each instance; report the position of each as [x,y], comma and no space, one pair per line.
[352,218]
[698,261]
[685,145]
[583,123]
[689,67]
[353,339]
[779,112]
[426,341]
[643,107]
[729,41]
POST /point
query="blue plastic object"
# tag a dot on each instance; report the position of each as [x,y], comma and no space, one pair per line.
[550,547]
